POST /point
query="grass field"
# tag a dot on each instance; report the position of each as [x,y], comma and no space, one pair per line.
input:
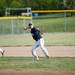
[26,39]
[28,63]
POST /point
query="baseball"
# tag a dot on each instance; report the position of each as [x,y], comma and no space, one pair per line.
[25,28]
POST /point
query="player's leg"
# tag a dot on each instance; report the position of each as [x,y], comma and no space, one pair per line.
[2,51]
[36,45]
[43,47]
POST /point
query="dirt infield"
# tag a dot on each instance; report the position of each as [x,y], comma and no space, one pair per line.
[35,72]
[54,51]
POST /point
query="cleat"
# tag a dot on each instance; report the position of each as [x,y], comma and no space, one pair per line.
[36,58]
[47,56]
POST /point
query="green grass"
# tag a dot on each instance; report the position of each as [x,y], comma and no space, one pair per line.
[43,63]
[60,39]
[26,39]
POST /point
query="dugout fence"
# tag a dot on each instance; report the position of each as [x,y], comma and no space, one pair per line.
[47,21]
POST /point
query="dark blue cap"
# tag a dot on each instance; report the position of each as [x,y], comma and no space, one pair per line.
[30,24]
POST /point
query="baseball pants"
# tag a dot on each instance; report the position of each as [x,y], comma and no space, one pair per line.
[39,43]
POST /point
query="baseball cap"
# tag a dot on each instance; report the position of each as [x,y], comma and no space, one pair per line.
[30,24]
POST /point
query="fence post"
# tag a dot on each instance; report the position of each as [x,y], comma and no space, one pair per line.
[65,21]
[12,26]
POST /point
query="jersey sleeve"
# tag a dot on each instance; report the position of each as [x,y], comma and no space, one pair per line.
[40,31]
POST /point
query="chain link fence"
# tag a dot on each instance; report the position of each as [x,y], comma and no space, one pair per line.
[47,22]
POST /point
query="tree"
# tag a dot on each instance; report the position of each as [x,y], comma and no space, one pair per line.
[2,7]
[16,3]
[37,4]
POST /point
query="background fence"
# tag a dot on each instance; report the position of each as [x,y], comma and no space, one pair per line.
[47,22]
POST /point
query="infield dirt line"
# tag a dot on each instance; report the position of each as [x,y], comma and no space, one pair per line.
[54,51]
[35,72]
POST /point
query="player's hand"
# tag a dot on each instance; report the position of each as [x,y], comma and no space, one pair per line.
[25,28]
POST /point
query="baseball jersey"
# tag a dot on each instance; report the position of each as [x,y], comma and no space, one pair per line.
[36,34]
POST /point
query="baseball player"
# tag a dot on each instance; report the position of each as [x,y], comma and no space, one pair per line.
[2,51]
[37,36]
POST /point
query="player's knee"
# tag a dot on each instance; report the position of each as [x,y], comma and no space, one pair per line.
[42,47]
[33,53]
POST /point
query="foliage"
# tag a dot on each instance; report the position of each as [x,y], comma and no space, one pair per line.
[34,4]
